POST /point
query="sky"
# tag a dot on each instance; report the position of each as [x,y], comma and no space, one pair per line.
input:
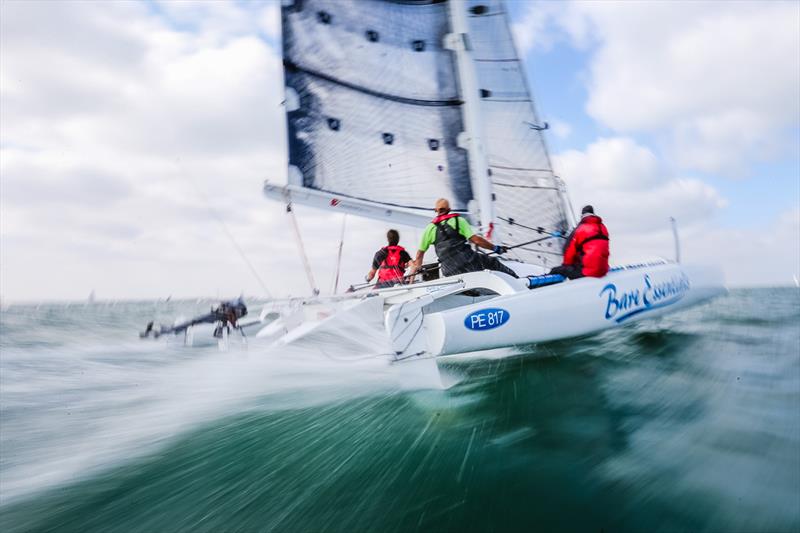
[135,137]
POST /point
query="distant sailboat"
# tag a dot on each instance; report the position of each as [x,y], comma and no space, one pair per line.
[91,298]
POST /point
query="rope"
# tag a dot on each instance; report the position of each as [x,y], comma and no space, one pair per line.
[339,258]
[520,245]
[225,230]
[430,267]
[301,248]
[540,230]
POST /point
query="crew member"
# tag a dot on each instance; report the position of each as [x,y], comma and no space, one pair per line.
[586,251]
[450,234]
[390,262]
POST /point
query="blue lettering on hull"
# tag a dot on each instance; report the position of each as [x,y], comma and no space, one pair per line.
[622,305]
[486,319]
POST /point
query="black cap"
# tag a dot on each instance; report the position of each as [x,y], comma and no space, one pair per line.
[587,209]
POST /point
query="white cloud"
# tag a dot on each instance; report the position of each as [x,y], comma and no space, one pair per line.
[270,19]
[636,196]
[716,87]
[765,256]
[120,142]
[531,31]
[217,22]
[718,82]
[628,186]
[617,162]
[560,129]
[121,146]
[760,256]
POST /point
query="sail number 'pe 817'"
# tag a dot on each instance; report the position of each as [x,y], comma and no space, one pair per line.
[486,319]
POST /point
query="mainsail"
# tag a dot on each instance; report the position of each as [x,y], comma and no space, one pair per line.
[375,111]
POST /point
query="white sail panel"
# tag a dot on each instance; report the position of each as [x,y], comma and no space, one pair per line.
[372,102]
[530,201]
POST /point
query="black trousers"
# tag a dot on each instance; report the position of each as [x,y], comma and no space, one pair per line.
[471,261]
[568,271]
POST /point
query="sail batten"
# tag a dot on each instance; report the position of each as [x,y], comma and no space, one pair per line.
[400,99]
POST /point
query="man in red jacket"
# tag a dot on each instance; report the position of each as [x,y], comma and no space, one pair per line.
[586,251]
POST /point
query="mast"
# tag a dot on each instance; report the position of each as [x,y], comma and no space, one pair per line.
[674,225]
[471,139]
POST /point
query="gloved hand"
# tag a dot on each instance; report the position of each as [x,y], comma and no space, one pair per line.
[367,278]
[500,250]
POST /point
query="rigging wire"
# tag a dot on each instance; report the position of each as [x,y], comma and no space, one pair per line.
[339,257]
[224,228]
[301,247]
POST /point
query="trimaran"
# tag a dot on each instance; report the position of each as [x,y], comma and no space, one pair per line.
[391,104]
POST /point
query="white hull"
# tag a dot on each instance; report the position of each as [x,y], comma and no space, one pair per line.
[487,310]
[572,308]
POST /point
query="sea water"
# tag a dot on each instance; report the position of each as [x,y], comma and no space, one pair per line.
[690,422]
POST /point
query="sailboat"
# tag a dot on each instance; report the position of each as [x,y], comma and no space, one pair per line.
[391,104]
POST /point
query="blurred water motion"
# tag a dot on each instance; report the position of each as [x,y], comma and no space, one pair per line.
[688,423]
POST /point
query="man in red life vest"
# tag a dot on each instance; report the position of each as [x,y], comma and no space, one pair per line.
[389,262]
[451,236]
[586,251]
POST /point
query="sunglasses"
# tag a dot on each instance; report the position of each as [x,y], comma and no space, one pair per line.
[441,210]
